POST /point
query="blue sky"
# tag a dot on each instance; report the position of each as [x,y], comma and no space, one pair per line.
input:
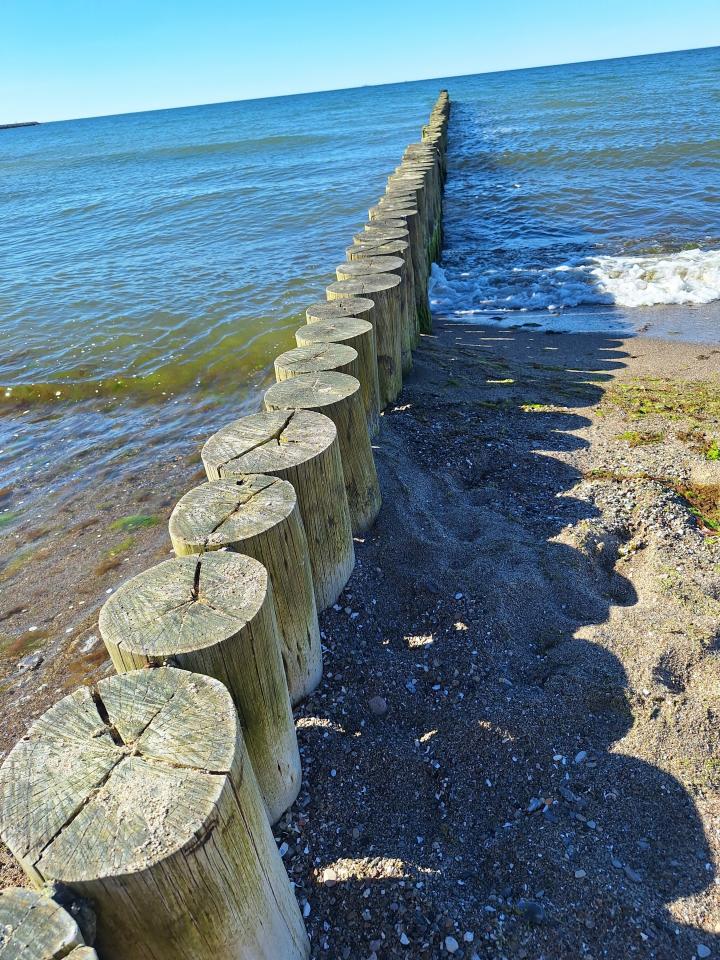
[77,58]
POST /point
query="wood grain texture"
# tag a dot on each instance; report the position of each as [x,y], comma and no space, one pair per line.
[360,335]
[317,358]
[385,292]
[35,927]
[172,846]
[360,307]
[338,397]
[258,515]
[214,614]
[400,248]
[301,447]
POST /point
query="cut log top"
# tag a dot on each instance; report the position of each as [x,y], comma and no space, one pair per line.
[364,285]
[376,248]
[392,223]
[349,307]
[267,443]
[369,265]
[319,390]
[188,603]
[316,358]
[333,331]
[381,233]
[112,780]
[223,512]
[35,927]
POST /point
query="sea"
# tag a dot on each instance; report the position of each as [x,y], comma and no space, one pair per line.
[153,264]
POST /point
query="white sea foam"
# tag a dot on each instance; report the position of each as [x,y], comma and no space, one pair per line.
[688,277]
[691,276]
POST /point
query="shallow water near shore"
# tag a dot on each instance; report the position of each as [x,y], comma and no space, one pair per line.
[154,264]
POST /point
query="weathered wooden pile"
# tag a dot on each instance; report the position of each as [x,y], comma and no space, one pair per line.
[152,795]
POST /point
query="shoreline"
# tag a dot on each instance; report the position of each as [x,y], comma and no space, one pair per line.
[504,481]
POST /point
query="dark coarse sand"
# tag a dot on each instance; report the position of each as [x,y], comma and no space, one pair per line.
[514,751]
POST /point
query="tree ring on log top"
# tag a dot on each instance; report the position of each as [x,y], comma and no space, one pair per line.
[214,614]
[138,794]
[317,358]
[258,515]
[300,446]
[359,307]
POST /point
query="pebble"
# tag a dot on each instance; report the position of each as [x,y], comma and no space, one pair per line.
[404,939]
[581,757]
[702,950]
[378,706]
[532,911]
[469,936]
[31,662]
[451,945]
[458,596]
[632,874]
[580,874]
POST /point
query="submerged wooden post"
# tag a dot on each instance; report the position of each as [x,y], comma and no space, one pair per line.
[35,927]
[338,397]
[368,266]
[139,795]
[318,358]
[384,291]
[214,614]
[360,335]
[258,515]
[302,448]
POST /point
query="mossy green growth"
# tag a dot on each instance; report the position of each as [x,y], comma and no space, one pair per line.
[713,451]
[135,521]
[7,518]
[123,547]
[636,439]
[695,400]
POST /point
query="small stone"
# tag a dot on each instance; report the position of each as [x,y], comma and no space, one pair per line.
[581,757]
[458,596]
[378,706]
[632,874]
[451,945]
[616,863]
[31,662]
[404,939]
[580,874]
[702,950]
[535,805]
[532,911]
[469,936]
[329,877]
[306,910]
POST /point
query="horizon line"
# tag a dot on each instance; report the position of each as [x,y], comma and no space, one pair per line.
[362,86]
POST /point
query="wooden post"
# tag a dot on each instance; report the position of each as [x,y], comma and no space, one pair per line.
[214,614]
[139,795]
[302,448]
[400,248]
[359,307]
[258,515]
[338,397]
[35,927]
[318,358]
[418,242]
[360,335]
[385,291]
[369,266]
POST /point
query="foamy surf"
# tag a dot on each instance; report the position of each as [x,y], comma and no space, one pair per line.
[688,277]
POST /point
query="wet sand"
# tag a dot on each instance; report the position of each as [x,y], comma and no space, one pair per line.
[537,606]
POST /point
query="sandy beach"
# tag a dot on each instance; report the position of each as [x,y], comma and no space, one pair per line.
[514,749]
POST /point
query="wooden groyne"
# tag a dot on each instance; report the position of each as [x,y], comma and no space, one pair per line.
[150,797]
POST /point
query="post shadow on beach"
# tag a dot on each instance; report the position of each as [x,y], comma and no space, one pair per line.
[491,799]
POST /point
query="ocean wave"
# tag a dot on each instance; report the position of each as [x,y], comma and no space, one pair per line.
[686,277]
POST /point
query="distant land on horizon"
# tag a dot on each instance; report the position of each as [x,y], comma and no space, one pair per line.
[26,123]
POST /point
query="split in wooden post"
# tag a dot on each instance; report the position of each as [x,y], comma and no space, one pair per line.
[258,515]
[139,795]
[214,614]
[302,448]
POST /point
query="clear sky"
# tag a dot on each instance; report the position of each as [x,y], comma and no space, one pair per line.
[78,58]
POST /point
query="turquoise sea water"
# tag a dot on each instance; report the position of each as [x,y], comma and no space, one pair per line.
[153,264]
